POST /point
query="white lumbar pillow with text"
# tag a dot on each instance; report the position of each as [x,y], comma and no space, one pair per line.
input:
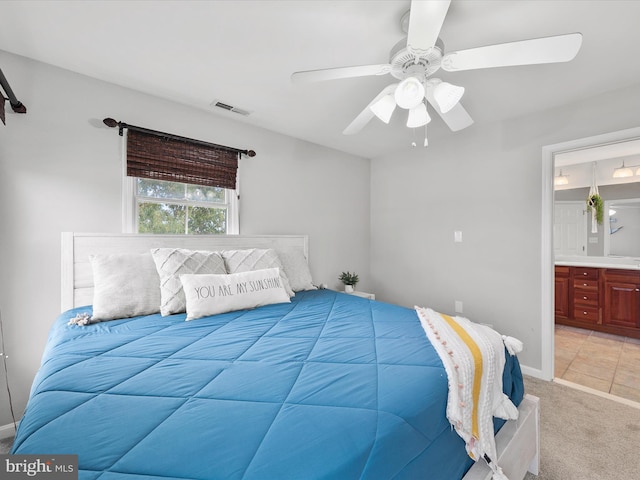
[210,294]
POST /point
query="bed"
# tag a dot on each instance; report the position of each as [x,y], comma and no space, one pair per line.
[328,385]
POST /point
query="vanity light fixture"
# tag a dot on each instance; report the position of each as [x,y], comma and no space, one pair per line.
[622,172]
[625,172]
[560,179]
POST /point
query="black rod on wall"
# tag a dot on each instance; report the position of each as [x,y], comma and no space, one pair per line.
[16,104]
[110,122]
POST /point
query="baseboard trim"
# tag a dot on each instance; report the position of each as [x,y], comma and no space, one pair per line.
[593,391]
[533,372]
[7,431]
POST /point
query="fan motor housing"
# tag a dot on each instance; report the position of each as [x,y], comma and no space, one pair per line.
[405,64]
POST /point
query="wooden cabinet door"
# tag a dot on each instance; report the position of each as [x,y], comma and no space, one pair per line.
[562,296]
[622,304]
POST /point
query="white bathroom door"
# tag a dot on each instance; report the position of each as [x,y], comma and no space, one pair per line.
[570,228]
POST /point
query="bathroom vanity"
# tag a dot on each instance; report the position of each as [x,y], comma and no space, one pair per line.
[601,294]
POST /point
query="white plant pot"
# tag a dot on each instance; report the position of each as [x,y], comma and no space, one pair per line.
[348,288]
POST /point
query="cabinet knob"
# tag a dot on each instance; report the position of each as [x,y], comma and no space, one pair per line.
[584,298]
[584,313]
[584,284]
[584,273]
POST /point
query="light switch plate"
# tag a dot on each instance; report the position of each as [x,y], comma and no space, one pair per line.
[457,236]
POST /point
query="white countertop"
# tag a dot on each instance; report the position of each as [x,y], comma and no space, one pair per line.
[625,263]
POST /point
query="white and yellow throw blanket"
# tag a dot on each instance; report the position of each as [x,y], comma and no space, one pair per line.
[473,357]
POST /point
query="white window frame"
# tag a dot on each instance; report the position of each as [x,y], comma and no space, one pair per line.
[130,204]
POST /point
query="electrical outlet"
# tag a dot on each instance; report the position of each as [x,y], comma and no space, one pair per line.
[458,306]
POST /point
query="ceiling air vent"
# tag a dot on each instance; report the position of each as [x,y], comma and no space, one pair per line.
[230,108]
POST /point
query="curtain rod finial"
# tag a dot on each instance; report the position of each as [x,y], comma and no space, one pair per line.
[251,153]
[18,107]
[110,122]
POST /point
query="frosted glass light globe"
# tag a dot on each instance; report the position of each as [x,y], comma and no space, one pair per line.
[409,93]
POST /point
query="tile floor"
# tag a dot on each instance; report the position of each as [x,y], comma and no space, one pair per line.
[601,361]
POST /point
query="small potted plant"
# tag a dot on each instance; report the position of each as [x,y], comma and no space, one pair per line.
[350,280]
[596,206]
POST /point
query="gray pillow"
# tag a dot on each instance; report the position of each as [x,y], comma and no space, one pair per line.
[297,269]
[251,259]
[125,285]
[173,262]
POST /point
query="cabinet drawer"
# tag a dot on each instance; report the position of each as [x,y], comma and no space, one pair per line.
[588,314]
[586,297]
[583,283]
[585,273]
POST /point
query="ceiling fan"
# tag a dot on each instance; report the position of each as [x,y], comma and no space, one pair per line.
[415,59]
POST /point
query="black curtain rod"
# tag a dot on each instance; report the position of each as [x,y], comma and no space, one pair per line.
[16,105]
[110,122]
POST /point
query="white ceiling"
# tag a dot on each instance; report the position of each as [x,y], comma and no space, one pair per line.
[243,53]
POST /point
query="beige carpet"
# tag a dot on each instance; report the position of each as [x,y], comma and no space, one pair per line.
[584,436]
[5,445]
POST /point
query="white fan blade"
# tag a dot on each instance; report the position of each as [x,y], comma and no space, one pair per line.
[560,48]
[366,115]
[456,119]
[425,22]
[340,72]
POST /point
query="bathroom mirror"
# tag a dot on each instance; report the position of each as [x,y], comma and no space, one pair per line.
[623,220]
[619,234]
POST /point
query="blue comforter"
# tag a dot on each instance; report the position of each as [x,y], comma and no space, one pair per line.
[330,386]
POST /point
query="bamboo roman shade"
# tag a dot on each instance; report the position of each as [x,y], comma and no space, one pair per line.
[176,159]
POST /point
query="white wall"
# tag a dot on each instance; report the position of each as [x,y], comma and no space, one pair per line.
[60,170]
[487,182]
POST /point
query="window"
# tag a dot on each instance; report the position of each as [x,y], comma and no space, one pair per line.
[176,185]
[161,207]
[178,208]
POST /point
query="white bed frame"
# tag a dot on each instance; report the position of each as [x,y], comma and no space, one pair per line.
[517,441]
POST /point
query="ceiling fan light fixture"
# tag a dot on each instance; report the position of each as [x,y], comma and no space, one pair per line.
[622,172]
[383,108]
[409,93]
[447,95]
[418,116]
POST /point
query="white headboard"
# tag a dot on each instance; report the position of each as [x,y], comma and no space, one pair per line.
[77,276]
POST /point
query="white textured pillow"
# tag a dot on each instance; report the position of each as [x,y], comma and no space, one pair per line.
[173,262]
[255,259]
[213,294]
[125,285]
[297,269]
